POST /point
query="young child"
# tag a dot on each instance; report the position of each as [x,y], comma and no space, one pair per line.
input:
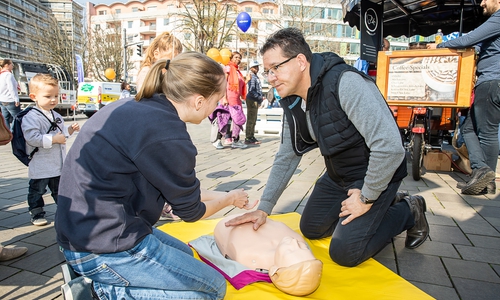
[45,166]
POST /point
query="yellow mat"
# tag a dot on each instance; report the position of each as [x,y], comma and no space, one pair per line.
[369,280]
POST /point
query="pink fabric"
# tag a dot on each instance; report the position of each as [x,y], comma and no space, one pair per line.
[242,279]
[234,97]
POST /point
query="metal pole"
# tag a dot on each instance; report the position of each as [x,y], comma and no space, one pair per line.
[124,39]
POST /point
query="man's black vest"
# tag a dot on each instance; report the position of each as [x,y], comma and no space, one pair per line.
[344,149]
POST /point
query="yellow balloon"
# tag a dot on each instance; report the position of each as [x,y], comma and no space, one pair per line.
[110,74]
[225,55]
[214,54]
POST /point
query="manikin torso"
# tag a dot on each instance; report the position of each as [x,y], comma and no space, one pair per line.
[273,244]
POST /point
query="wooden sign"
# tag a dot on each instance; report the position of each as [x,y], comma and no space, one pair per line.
[440,77]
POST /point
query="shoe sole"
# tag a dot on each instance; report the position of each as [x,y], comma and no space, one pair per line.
[428,229]
[479,186]
[40,223]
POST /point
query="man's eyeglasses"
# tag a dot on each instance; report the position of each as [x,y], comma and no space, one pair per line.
[274,70]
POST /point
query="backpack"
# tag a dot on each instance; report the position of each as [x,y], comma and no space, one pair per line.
[5,134]
[19,143]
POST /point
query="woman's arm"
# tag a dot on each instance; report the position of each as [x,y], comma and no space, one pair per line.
[215,201]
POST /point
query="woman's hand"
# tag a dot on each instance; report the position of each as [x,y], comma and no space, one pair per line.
[240,199]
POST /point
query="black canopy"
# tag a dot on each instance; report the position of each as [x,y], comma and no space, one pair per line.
[422,17]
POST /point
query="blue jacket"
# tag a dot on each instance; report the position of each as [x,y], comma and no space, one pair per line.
[127,160]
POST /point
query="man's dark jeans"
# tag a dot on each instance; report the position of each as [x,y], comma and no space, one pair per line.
[364,236]
[37,188]
[480,129]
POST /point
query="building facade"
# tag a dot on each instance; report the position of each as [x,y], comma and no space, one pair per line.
[19,19]
[320,20]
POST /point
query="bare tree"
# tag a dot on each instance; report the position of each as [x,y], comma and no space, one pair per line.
[57,50]
[105,50]
[208,22]
[311,17]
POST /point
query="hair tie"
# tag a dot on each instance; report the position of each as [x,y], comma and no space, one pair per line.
[167,64]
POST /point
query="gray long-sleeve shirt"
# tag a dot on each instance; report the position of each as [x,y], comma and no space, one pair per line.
[488,34]
[374,122]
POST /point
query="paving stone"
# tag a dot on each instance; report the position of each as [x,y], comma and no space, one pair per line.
[479,254]
[437,291]
[43,238]
[448,234]
[476,290]
[6,271]
[496,268]
[28,285]
[470,270]
[423,268]
[388,263]
[427,248]
[440,220]
[477,225]
[484,241]
[42,260]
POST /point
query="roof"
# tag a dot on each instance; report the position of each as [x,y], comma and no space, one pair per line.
[422,17]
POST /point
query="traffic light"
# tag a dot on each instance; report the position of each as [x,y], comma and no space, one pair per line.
[139,50]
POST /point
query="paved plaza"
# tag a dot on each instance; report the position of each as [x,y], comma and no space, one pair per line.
[461,259]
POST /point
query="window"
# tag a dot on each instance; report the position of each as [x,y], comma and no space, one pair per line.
[248,9]
[151,8]
[269,11]
[166,22]
[101,13]
[269,26]
[118,11]
[135,9]
[187,36]
[129,24]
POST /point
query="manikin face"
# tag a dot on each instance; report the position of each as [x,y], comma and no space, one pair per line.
[286,77]
[291,251]
[46,97]
[490,7]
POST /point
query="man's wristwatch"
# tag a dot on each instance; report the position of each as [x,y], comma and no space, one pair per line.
[366,200]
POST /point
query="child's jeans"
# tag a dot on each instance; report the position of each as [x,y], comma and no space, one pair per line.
[37,188]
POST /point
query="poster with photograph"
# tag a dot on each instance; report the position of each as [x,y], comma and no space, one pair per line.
[423,79]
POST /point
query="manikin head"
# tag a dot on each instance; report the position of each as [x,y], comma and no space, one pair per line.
[296,271]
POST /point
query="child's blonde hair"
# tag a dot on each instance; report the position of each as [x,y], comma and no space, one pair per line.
[40,80]
[165,42]
[187,74]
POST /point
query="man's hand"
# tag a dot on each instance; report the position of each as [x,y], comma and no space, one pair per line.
[352,207]
[432,46]
[257,217]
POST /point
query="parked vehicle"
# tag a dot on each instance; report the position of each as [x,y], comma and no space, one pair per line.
[92,96]
[24,70]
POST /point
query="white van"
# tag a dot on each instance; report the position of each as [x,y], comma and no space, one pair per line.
[94,95]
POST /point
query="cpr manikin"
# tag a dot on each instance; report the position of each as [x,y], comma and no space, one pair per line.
[274,247]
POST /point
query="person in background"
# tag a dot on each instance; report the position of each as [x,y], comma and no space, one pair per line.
[236,92]
[45,167]
[480,128]
[265,103]
[164,46]
[253,100]
[329,105]
[109,203]
[9,98]
[125,87]
[11,253]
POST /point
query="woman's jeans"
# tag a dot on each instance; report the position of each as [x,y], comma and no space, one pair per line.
[159,267]
[480,129]
[364,236]
[9,112]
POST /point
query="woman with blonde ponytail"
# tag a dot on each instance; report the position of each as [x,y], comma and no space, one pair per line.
[108,203]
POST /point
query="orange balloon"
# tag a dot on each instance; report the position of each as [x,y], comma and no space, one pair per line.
[225,55]
[110,74]
[214,54]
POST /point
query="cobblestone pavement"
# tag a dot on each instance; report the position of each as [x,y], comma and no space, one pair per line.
[461,260]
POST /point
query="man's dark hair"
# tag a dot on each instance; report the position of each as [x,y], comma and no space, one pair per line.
[290,40]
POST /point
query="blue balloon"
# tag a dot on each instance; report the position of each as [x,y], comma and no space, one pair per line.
[244,21]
